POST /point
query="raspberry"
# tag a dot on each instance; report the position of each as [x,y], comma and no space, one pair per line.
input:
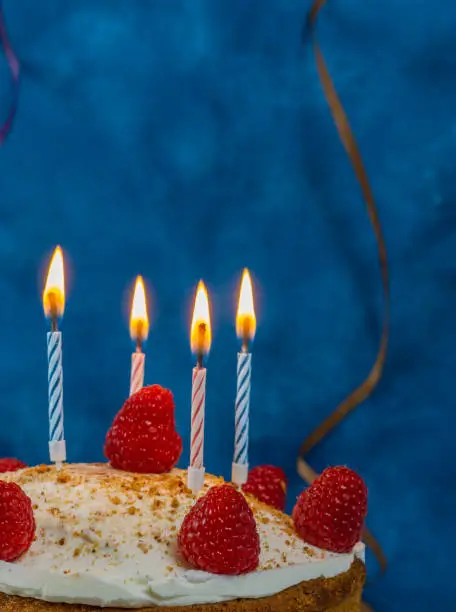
[268,484]
[17,523]
[331,512]
[143,437]
[11,465]
[219,533]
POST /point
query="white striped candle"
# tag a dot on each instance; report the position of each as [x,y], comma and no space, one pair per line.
[57,446]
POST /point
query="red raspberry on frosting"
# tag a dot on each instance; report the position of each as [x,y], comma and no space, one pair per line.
[268,484]
[143,436]
[331,512]
[9,464]
[17,523]
[219,534]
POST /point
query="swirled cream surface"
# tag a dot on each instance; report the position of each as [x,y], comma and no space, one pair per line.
[109,538]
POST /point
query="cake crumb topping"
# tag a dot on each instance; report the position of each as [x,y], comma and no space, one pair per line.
[95,521]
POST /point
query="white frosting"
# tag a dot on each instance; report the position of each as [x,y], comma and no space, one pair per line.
[108,538]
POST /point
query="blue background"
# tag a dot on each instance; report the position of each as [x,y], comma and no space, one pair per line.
[188,138]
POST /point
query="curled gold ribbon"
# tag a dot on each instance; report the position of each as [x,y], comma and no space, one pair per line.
[363,391]
[14,67]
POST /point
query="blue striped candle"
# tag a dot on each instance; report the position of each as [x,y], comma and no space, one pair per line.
[54,306]
[240,467]
[245,330]
[57,446]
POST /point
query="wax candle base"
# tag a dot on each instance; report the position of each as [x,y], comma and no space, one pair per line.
[239,473]
[195,479]
[57,451]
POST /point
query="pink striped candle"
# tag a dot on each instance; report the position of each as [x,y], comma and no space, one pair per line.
[137,371]
[139,329]
[200,344]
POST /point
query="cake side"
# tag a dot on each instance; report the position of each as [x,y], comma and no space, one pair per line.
[108,538]
[339,594]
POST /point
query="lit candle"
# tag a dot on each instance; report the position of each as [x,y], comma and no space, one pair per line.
[54,305]
[245,330]
[139,329]
[200,340]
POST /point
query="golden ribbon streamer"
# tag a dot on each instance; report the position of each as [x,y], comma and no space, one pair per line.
[363,391]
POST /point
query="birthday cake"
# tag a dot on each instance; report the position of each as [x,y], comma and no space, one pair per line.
[81,537]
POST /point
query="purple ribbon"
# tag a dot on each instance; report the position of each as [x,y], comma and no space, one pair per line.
[14,67]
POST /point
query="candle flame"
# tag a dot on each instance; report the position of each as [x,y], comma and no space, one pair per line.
[201,334]
[245,319]
[139,320]
[54,289]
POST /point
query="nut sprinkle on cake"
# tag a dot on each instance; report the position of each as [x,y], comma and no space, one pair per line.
[109,538]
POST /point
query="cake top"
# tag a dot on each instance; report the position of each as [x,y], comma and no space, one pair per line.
[106,537]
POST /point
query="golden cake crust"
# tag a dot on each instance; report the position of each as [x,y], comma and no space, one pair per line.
[339,594]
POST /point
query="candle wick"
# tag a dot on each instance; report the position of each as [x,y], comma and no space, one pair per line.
[139,335]
[53,311]
[201,339]
[245,345]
